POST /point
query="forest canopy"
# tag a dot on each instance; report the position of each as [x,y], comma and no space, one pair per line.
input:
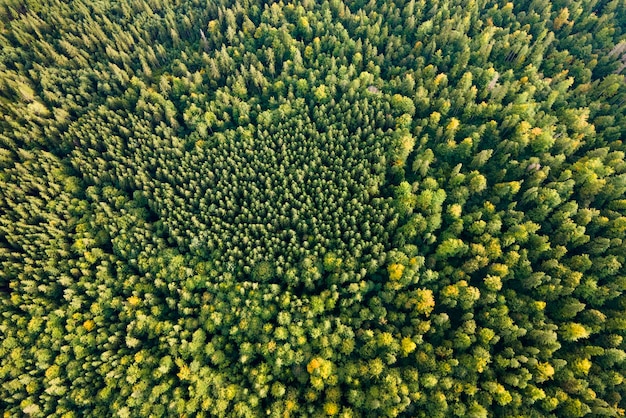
[312,208]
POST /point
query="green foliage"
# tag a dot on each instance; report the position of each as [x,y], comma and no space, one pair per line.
[312,208]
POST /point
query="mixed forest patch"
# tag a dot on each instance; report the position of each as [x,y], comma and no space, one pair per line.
[382,208]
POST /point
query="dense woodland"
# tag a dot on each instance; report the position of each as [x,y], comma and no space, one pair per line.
[373,208]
